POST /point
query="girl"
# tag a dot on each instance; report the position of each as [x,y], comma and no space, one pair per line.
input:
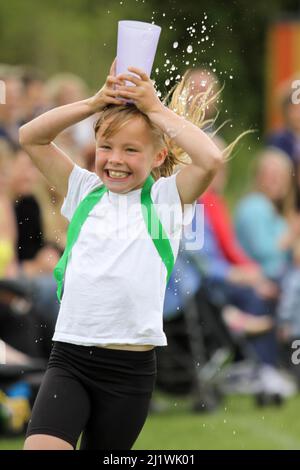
[102,367]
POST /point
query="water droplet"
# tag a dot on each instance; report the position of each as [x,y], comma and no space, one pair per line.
[167,82]
[157,70]
[175,44]
[189,49]
[54,396]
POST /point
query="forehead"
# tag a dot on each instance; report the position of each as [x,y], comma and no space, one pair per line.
[134,129]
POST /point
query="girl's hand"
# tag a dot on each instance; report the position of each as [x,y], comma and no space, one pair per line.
[143,94]
[108,93]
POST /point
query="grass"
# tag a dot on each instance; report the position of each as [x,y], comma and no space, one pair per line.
[238,424]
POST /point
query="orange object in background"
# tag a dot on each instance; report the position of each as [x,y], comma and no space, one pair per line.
[282,64]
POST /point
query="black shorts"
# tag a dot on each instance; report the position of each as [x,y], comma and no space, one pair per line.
[104,393]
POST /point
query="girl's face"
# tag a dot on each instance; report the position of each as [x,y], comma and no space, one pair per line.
[125,159]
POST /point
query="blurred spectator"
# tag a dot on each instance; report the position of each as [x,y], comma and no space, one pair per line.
[288,308]
[50,202]
[65,88]
[8,230]
[288,313]
[33,100]
[10,112]
[262,216]
[203,84]
[24,176]
[288,138]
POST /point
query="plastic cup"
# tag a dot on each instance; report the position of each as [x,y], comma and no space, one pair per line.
[137,44]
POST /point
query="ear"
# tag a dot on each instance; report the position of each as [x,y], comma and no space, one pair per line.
[160,158]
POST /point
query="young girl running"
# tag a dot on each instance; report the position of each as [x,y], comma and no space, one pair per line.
[112,276]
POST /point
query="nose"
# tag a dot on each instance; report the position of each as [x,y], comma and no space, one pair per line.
[115,158]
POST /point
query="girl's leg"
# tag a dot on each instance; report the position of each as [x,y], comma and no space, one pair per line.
[60,412]
[46,442]
[116,421]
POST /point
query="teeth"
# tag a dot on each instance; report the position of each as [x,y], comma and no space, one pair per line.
[117,174]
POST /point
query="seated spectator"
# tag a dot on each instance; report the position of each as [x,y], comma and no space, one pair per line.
[33,100]
[8,230]
[54,224]
[35,256]
[10,112]
[288,308]
[288,138]
[262,216]
[65,88]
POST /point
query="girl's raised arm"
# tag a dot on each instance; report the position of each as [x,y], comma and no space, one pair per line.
[193,179]
[37,136]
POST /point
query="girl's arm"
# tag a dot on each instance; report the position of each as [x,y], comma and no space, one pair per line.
[193,179]
[206,158]
[37,136]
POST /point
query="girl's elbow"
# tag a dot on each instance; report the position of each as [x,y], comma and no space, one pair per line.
[214,163]
[217,160]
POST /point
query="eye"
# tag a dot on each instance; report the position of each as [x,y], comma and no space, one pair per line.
[104,147]
[130,149]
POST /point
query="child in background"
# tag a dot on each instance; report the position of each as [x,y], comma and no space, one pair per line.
[102,368]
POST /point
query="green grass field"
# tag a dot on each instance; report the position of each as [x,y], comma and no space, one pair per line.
[238,424]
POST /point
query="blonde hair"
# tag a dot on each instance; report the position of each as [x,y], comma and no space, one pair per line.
[192,108]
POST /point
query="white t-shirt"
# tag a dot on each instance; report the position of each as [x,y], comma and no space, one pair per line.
[115,279]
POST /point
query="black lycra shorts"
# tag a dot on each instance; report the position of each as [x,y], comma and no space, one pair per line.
[104,393]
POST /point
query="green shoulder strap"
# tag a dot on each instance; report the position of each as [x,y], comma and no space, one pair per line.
[161,242]
[79,217]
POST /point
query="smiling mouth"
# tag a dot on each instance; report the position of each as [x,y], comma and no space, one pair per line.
[117,174]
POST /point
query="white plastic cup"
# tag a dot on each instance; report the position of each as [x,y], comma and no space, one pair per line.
[137,44]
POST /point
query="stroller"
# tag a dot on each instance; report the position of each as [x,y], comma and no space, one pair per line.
[204,358]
